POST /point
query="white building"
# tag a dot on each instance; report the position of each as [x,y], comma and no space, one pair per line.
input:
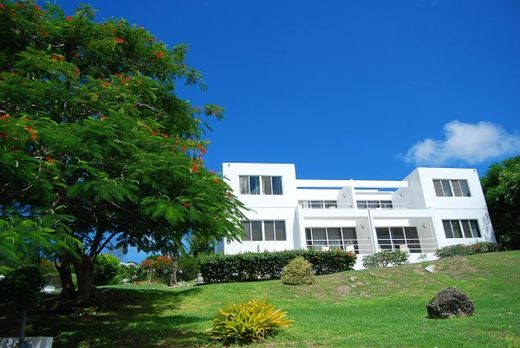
[429,209]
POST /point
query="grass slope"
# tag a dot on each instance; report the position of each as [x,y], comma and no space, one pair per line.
[381,307]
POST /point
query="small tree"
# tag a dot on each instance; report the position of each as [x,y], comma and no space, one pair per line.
[23,287]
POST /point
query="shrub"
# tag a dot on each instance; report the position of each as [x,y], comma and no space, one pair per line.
[23,286]
[385,258]
[298,272]
[269,265]
[106,269]
[247,322]
[470,249]
[188,268]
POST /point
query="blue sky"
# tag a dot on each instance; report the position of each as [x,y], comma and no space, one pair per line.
[348,89]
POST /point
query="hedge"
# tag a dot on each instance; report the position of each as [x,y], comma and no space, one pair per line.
[269,265]
[468,249]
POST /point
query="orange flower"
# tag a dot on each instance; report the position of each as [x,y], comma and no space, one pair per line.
[4,117]
[102,117]
[119,40]
[58,58]
[186,204]
[216,180]
[105,84]
[33,132]
[159,55]
[202,149]
[50,160]
[195,167]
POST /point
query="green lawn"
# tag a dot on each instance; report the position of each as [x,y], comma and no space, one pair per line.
[382,307]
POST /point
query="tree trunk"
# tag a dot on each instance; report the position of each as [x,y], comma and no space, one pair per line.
[173,276]
[64,270]
[84,267]
[21,343]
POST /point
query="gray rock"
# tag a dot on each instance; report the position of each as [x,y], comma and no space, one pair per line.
[430,269]
[450,302]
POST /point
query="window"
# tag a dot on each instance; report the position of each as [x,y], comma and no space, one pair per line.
[255,185]
[264,230]
[451,188]
[331,237]
[461,228]
[374,204]
[390,238]
[318,204]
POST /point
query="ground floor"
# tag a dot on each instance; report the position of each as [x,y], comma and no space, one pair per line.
[419,232]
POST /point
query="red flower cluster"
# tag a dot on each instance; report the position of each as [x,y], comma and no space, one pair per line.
[58,58]
[195,166]
[3,135]
[4,117]
[33,132]
[68,18]
[159,55]
[2,7]
[50,160]
[119,40]
[186,205]
[202,149]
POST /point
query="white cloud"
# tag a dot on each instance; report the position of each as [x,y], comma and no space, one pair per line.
[465,142]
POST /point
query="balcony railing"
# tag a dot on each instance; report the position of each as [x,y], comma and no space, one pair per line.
[336,205]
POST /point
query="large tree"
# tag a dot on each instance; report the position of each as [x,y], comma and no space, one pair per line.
[501,186]
[90,127]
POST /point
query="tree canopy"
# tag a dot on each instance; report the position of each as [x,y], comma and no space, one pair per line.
[501,185]
[91,129]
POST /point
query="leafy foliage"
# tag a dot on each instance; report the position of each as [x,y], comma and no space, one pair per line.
[247,322]
[269,265]
[298,272]
[501,185]
[463,249]
[188,268]
[106,269]
[385,258]
[23,286]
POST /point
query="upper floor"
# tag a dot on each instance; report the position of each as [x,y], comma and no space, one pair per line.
[275,185]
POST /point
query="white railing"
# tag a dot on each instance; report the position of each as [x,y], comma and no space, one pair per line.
[335,205]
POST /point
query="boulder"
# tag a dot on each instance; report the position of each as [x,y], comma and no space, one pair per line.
[450,302]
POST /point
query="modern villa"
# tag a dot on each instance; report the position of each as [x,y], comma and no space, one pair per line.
[429,209]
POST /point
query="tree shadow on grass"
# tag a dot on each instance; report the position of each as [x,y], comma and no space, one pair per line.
[129,318]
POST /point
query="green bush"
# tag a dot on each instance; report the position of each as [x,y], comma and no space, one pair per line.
[269,265]
[22,286]
[298,272]
[385,258]
[188,268]
[247,322]
[106,269]
[467,249]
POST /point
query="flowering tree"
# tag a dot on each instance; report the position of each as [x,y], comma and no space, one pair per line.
[90,127]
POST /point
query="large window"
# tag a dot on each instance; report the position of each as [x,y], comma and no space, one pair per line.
[451,188]
[331,237]
[318,204]
[255,185]
[461,228]
[374,204]
[264,230]
[390,238]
